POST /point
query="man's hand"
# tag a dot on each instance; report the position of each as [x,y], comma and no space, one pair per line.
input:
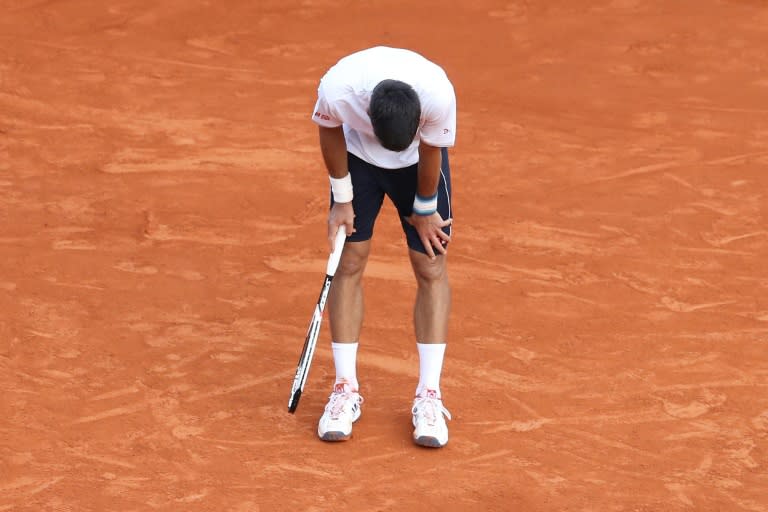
[341,214]
[430,230]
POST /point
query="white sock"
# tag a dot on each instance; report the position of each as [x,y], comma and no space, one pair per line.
[345,360]
[430,366]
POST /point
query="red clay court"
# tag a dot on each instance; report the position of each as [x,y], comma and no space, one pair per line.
[162,227]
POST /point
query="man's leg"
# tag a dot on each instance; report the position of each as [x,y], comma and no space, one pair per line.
[430,318]
[345,306]
[433,298]
[345,298]
[345,313]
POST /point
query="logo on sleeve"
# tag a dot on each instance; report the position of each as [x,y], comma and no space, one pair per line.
[322,116]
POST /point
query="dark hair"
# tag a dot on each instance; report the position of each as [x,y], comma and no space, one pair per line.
[395,112]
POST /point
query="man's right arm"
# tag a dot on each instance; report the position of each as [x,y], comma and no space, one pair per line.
[333,146]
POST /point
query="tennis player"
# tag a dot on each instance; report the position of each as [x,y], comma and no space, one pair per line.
[386,117]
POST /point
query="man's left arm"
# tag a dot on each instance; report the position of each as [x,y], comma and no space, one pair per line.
[438,131]
[425,218]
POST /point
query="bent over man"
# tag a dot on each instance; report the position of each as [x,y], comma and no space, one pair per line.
[386,117]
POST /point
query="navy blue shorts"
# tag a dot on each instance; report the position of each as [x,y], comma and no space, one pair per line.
[372,183]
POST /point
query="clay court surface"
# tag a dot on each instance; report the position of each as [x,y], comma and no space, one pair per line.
[162,240]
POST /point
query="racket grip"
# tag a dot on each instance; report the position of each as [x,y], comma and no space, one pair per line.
[338,246]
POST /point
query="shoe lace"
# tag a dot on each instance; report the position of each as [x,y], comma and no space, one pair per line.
[428,408]
[341,401]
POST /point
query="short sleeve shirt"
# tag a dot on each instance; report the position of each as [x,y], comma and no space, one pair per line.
[345,91]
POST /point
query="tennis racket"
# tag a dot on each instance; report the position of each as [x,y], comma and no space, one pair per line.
[310,342]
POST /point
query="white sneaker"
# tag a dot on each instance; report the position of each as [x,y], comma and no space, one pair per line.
[342,410]
[430,428]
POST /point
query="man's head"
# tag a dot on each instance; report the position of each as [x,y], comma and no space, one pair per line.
[395,112]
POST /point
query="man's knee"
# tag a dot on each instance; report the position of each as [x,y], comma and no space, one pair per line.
[429,271]
[353,259]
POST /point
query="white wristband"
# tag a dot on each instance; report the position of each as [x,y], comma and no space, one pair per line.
[424,205]
[342,189]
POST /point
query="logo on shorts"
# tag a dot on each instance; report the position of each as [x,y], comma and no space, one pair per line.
[446,131]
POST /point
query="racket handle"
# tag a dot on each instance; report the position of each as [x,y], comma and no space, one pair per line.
[338,246]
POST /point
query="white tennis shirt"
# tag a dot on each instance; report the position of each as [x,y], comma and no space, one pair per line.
[345,93]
